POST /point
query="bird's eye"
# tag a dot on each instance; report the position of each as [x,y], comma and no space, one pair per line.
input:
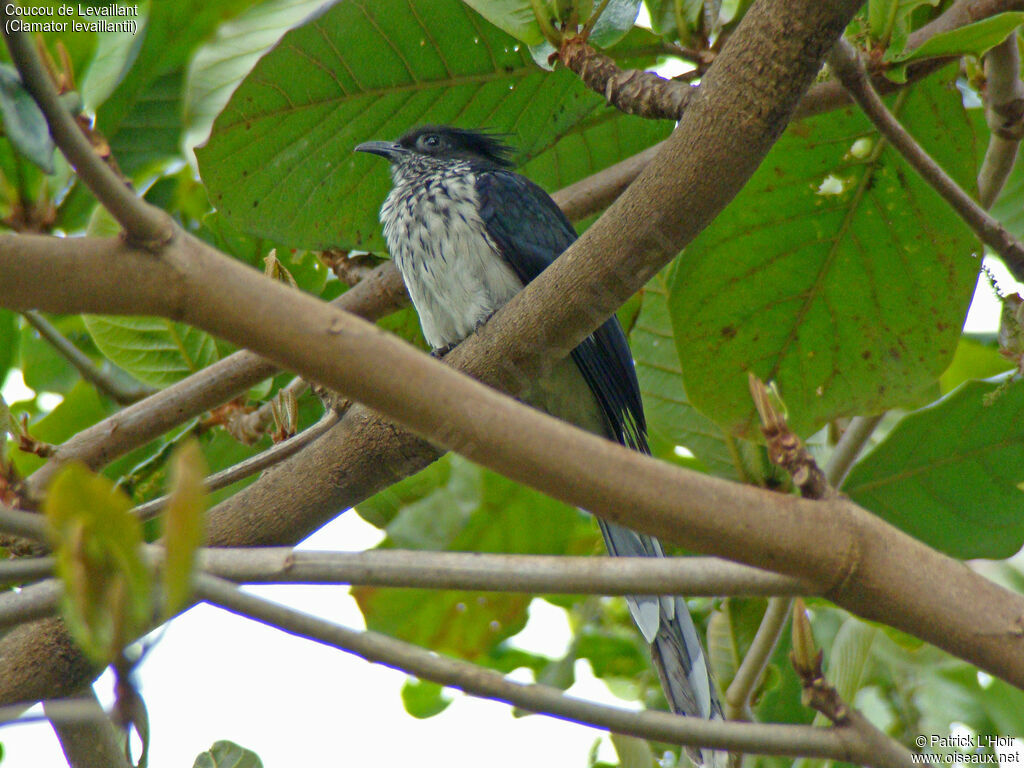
[430,141]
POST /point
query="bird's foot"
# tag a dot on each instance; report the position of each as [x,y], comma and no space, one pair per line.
[440,352]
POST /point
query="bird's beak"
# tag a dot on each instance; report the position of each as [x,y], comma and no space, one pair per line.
[388,149]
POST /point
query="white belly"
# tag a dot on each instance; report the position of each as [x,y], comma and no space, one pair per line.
[454,274]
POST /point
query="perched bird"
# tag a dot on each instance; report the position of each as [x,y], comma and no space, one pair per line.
[467,233]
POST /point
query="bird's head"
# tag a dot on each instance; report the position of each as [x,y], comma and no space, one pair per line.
[437,146]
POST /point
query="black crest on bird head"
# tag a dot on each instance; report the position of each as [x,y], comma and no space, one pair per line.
[445,141]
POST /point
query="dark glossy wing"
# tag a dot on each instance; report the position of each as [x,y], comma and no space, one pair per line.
[531,231]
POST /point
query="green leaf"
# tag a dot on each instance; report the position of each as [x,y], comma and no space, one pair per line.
[889,20]
[813,276]
[849,659]
[98,545]
[226,754]
[24,124]
[973,360]
[731,630]
[614,22]
[154,350]
[671,420]
[184,524]
[632,752]
[218,66]
[513,16]
[279,162]
[459,506]
[423,699]
[951,474]
[970,40]
[142,117]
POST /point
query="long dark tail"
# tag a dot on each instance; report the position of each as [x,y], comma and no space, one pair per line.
[676,647]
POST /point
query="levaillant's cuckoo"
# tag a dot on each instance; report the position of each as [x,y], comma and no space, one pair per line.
[467,233]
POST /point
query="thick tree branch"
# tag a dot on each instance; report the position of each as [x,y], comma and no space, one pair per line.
[376,295]
[871,568]
[846,63]
[21,570]
[478,681]
[87,738]
[28,525]
[26,605]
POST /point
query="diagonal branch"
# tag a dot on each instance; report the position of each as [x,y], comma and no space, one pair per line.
[143,223]
[84,365]
[1004,113]
[846,64]
[379,294]
[747,737]
[541,574]
[871,568]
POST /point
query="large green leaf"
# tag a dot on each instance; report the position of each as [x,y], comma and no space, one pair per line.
[24,124]
[951,474]
[154,350]
[462,507]
[671,420]
[142,117]
[973,39]
[279,160]
[219,66]
[837,272]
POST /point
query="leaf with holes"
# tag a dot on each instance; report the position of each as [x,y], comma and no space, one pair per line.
[279,161]
[951,474]
[837,272]
[156,351]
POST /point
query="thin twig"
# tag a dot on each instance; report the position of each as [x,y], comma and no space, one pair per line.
[21,570]
[1004,113]
[822,696]
[478,681]
[248,427]
[268,458]
[379,294]
[856,436]
[633,91]
[846,63]
[106,384]
[144,224]
[543,574]
[743,685]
